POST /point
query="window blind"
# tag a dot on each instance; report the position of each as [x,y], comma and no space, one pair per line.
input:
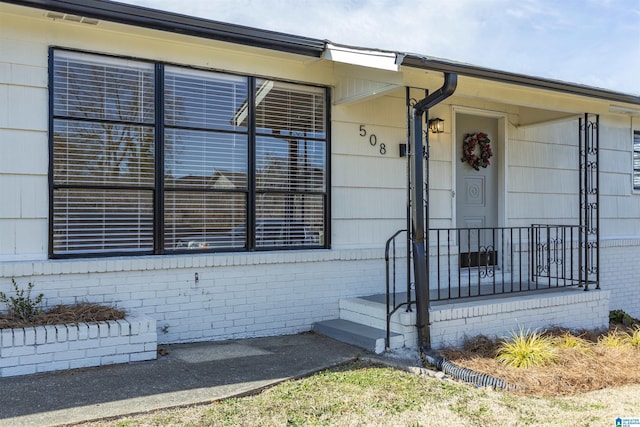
[103,154]
[290,165]
[206,158]
[113,120]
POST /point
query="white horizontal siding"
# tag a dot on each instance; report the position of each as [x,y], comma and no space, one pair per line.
[23,152]
[23,107]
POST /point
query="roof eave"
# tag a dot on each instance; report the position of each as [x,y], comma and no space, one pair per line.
[440,65]
[181,24]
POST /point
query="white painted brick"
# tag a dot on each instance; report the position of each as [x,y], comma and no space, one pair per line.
[41,335]
[69,355]
[114,328]
[322,282]
[18,337]
[53,366]
[143,338]
[9,361]
[72,332]
[51,334]
[21,350]
[83,331]
[29,336]
[6,338]
[142,356]
[124,327]
[52,348]
[83,344]
[12,371]
[85,362]
[93,330]
[101,351]
[130,348]
[61,333]
[35,359]
[114,358]
[103,330]
[135,326]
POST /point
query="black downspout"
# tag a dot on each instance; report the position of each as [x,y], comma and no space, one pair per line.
[420,260]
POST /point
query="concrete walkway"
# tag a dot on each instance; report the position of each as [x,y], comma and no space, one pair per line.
[187,374]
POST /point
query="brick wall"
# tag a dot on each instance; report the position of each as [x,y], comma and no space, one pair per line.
[51,348]
[620,273]
[235,296]
[260,294]
[570,308]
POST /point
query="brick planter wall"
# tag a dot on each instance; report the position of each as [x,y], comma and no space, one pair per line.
[57,347]
[570,308]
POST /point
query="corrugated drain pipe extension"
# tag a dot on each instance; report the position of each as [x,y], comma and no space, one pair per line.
[464,374]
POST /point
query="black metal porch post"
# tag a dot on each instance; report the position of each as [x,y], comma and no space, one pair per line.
[589,235]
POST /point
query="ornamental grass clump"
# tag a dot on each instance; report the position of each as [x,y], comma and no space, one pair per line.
[614,339]
[634,337]
[526,350]
[570,341]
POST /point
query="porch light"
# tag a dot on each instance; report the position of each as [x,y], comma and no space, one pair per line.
[436,125]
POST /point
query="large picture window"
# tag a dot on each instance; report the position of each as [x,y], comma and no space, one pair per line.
[152,158]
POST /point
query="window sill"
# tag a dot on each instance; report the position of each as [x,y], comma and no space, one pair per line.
[21,268]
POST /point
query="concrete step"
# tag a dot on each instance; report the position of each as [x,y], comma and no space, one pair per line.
[367,337]
[373,313]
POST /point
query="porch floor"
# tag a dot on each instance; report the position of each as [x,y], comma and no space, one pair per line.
[454,319]
[472,295]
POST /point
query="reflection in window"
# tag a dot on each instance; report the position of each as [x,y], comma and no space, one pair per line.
[149,158]
[103,155]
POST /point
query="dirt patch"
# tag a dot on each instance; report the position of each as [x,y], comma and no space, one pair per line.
[65,314]
[580,368]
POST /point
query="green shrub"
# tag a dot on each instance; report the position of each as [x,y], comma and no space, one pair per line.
[22,305]
[620,317]
[527,349]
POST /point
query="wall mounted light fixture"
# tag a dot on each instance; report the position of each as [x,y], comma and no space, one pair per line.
[436,125]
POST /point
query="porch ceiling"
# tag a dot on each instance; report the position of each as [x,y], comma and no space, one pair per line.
[351,89]
[529,116]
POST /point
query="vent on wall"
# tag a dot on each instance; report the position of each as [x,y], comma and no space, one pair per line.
[72,18]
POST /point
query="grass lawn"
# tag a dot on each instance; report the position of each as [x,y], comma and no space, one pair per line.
[364,394]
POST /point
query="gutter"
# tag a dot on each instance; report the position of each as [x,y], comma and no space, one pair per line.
[444,66]
[420,250]
[181,24]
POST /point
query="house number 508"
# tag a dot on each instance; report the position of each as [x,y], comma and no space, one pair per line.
[373,140]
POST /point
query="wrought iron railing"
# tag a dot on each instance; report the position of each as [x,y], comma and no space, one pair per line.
[475,262]
[472,262]
[397,299]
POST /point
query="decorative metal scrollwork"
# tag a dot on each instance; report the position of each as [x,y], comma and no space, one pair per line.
[589,236]
[488,267]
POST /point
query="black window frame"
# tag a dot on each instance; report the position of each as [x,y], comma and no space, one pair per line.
[159,127]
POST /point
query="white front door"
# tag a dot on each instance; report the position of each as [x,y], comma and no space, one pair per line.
[476,190]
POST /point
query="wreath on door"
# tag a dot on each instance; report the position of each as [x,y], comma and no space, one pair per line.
[476,150]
